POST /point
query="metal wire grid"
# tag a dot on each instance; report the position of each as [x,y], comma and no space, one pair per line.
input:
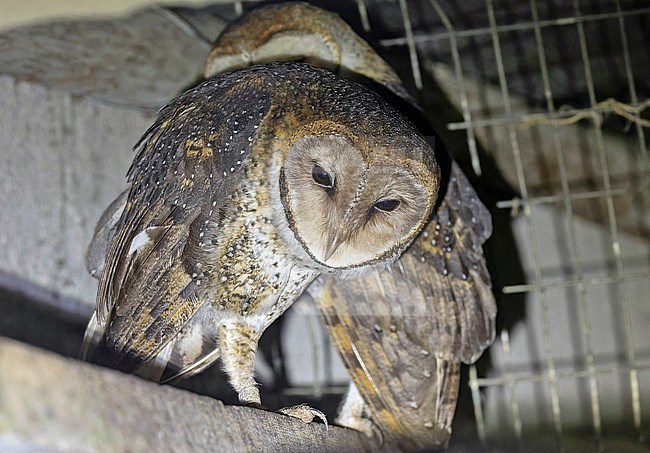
[510,120]
[526,202]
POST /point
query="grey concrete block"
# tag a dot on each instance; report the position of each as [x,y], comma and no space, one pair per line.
[63,160]
[139,60]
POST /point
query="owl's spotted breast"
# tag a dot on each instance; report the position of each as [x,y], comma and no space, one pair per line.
[251,270]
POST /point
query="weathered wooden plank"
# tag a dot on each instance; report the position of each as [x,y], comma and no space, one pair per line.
[48,401]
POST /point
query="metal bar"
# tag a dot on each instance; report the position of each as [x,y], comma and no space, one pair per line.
[527,117]
[523,26]
[550,199]
[239,7]
[546,328]
[363,14]
[413,52]
[478,405]
[514,143]
[643,161]
[308,314]
[510,383]
[309,389]
[600,280]
[182,24]
[479,382]
[508,106]
[561,374]
[464,98]
[616,249]
[509,378]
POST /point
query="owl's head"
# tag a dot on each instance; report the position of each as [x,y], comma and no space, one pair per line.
[349,207]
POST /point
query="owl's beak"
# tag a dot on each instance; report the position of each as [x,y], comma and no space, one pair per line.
[334,241]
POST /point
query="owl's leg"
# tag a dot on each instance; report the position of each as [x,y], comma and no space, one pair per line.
[351,414]
[238,343]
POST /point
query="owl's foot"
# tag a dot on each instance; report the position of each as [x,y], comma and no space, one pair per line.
[362,424]
[304,413]
[352,416]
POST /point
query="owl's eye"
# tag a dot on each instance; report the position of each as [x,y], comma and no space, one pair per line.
[387,205]
[321,177]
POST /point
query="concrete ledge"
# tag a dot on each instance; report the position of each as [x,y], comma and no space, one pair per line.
[16,13]
[48,402]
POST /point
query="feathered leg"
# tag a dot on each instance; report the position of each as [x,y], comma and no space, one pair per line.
[351,414]
[238,343]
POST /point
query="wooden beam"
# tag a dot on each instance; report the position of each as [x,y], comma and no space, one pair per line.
[49,401]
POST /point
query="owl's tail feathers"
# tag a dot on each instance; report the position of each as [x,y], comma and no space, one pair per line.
[193,350]
[94,349]
[188,354]
[448,384]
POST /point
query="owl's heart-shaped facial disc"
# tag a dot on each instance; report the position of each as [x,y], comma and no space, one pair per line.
[349,211]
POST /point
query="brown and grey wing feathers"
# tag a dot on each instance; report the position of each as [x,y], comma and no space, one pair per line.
[410,394]
[404,331]
[447,263]
[151,285]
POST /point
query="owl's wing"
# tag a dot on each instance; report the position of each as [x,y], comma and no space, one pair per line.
[447,266]
[103,235]
[404,331]
[151,283]
[191,351]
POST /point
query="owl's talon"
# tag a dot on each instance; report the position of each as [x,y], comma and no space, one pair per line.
[304,413]
[259,406]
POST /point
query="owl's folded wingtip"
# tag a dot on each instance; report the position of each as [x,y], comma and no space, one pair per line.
[92,337]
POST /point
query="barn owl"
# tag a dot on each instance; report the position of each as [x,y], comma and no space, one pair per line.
[403,331]
[244,190]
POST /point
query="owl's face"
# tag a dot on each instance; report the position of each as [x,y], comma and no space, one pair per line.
[349,211]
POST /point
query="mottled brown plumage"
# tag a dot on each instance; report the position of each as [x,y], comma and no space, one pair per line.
[402,332]
[227,219]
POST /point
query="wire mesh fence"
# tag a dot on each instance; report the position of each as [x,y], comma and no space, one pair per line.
[516,66]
